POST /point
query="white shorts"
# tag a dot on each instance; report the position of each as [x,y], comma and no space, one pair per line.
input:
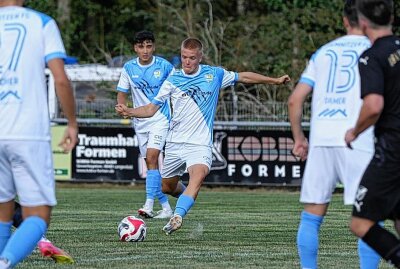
[180,156]
[154,139]
[26,170]
[326,166]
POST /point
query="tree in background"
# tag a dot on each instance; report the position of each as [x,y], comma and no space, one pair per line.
[267,36]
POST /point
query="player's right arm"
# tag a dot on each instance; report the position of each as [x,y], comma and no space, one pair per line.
[67,101]
[146,111]
[121,98]
[295,104]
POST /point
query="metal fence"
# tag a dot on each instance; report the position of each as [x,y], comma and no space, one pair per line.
[243,115]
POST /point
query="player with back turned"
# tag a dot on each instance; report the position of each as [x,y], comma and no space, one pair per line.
[29,40]
[332,78]
[378,196]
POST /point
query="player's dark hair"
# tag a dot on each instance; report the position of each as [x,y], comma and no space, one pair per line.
[192,43]
[350,12]
[379,12]
[142,36]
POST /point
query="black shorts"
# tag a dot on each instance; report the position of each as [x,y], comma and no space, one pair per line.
[378,196]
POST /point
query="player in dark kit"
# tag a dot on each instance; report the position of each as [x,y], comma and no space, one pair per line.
[378,196]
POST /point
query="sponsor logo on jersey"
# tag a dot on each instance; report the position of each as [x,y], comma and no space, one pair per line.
[157,73]
[209,77]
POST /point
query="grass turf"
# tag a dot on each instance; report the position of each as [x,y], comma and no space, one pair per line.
[227,228]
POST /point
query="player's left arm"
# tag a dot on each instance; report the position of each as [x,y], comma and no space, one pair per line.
[66,97]
[255,78]
[370,112]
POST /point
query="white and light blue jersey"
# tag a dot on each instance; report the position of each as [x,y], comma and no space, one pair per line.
[144,82]
[28,40]
[333,74]
[194,100]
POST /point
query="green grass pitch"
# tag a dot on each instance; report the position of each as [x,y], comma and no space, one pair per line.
[227,228]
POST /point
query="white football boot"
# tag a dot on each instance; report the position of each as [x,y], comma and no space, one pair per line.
[174,223]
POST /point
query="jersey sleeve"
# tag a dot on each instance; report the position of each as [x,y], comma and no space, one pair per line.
[371,74]
[164,94]
[123,83]
[309,74]
[54,47]
[229,78]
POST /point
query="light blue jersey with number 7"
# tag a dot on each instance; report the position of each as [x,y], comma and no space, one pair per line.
[23,93]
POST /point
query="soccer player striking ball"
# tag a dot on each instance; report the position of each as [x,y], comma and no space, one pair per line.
[378,196]
[28,41]
[194,94]
[332,77]
[143,77]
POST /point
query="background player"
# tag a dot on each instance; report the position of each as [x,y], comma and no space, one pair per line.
[333,79]
[28,41]
[194,94]
[378,196]
[143,77]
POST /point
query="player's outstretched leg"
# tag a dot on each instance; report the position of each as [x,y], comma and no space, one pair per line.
[183,206]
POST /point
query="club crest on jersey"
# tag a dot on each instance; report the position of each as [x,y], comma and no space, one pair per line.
[209,77]
[157,73]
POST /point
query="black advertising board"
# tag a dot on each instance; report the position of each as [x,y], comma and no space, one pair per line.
[254,158]
[105,154]
[239,157]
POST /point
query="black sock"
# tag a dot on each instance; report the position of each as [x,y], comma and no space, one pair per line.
[385,243]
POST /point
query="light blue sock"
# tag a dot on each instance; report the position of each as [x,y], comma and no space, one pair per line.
[307,239]
[162,197]
[5,233]
[369,259]
[152,182]
[24,240]
[183,205]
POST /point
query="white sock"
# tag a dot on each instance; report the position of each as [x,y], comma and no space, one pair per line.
[149,204]
[166,206]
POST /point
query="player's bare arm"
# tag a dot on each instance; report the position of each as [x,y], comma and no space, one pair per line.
[295,104]
[255,78]
[146,111]
[369,115]
[67,101]
[121,99]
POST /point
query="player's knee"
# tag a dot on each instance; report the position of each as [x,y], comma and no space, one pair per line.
[168,187]
[359,227]
[152,162]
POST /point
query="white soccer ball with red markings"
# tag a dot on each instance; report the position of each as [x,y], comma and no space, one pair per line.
[132,229]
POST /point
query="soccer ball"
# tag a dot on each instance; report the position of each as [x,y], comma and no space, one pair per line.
[132,229]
